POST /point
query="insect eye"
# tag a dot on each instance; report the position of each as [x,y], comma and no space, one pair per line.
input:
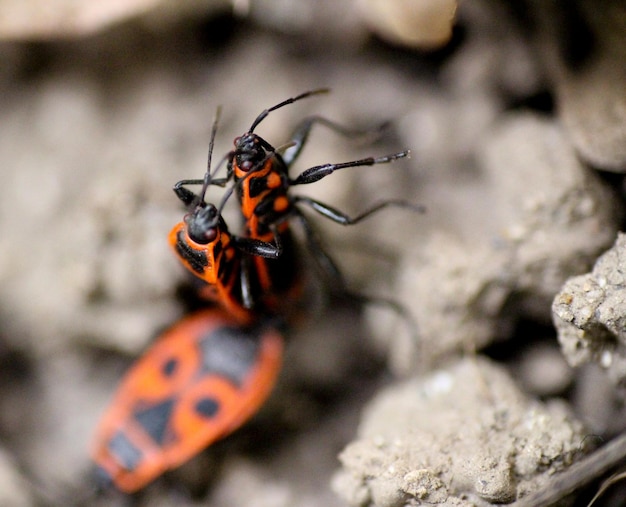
[169,367]
[201,235]
[210,234]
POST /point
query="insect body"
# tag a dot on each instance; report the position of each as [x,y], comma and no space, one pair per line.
[213,370]
[261,180]
[243,273]
[200,381]
[205,247]
[227,263]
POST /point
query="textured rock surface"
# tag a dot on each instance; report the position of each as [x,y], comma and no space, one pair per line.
[553,218]
[465,435]
[590,314]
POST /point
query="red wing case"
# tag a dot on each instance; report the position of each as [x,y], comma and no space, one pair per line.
[201,380]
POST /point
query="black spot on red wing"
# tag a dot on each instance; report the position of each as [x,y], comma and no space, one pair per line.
[224,266]
[257,186]
[266,205]
[229,352]
[155,419]
[126,453]
[169,367]
[207,407]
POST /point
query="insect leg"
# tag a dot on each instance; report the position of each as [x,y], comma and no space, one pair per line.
[253,246]
[318,172]
[327,265]
[342,218]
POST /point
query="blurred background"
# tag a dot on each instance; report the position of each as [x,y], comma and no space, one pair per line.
[515,116]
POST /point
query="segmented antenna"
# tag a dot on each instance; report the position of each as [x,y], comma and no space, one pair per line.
[208,176]
[304,95]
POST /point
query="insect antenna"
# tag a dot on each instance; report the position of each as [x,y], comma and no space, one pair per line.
[304,95]
[208,176]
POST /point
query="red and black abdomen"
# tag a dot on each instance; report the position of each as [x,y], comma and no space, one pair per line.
[199,382]
[263,197]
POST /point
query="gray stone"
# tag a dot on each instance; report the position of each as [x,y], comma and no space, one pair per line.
[590,314]
[464,432]
[539,217]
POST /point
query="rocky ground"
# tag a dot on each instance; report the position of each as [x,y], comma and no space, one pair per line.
[515,114]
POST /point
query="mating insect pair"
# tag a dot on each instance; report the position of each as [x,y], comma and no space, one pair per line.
[212,371]
[261,179]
